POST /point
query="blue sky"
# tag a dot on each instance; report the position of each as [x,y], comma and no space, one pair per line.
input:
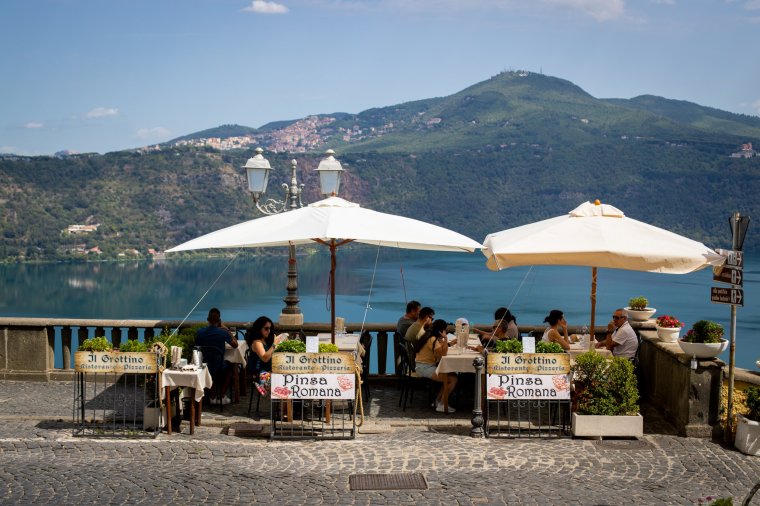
[104,75]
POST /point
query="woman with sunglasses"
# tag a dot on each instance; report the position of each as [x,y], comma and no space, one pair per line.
[262,343]
[557,331]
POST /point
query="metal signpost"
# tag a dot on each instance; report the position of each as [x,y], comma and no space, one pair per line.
[731,273]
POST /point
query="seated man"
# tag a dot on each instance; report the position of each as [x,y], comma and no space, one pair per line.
[411,315]
[621,338]
[418,328]
[214,337]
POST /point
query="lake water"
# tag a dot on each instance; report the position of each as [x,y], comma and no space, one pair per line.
[372,285]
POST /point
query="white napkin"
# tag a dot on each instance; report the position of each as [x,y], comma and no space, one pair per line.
[189,367]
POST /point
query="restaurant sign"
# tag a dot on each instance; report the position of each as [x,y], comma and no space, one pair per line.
[115,362]
[528,363]
[313,376]
[527,376]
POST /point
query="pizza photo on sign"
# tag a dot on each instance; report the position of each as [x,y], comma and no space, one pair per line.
[497,392]
[560,382]
[281,392]
[345,382]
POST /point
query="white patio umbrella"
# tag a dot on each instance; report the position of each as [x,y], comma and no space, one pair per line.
[333,222]
[597,235]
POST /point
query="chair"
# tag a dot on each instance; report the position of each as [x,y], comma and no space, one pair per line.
[214,359]
[408,379]
[366,341]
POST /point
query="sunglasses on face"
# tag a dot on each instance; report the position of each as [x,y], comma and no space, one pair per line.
[616,317]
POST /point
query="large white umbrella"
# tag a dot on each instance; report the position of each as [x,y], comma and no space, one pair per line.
[597,235]
[333,222]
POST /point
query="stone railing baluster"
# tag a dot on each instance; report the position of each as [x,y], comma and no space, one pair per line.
[116,337]
[66,347]
[382,351]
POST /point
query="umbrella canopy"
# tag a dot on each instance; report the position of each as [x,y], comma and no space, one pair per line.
[333,222]
[597,235]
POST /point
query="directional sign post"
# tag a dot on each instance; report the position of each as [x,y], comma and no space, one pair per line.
[733,296]
[730,275]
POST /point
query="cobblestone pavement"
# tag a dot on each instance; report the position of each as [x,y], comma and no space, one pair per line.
[42,462]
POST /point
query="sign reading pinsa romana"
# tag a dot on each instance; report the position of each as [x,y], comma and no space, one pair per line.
[313,376]
[115,362]
[528,376]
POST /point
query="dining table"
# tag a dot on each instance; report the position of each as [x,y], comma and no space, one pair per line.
[190,377]
[457,360]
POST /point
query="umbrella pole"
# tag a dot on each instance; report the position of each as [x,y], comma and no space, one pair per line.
[332,291]
[592,335]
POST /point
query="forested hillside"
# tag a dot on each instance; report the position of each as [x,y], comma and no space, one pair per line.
[511,150]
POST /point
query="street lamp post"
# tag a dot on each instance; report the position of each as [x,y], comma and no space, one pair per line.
[257,171]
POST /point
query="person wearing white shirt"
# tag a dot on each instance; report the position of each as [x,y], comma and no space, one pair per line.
[621,338]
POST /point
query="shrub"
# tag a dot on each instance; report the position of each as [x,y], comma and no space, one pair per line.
[605,388]
[509,346]
[704,331]
[133,346]
[291,346]
[328,348]
[544,347]
[95,344]
[753,403]
[638,303]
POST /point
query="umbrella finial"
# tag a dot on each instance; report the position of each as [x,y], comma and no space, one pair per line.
[597,202]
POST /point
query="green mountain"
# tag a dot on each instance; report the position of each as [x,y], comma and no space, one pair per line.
[516,148]
[223,131]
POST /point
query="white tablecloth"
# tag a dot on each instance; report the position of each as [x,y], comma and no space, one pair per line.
[235,355]
[457,360]
[577,349]
[198,379]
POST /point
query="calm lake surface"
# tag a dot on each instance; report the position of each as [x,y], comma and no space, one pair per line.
[372,285]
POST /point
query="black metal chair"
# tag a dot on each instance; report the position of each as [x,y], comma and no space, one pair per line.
[214,359]
[408,379]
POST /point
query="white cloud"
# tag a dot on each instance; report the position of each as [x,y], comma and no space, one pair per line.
[665,2]
[265,7]
[601,10]
[102,112]
[153,134]
[756,106]
[33,124]
[752,5]
[8,149]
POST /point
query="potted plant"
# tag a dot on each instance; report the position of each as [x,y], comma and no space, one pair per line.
[748,425]
[668,328]
[704,340]
[638,309]
[606,398]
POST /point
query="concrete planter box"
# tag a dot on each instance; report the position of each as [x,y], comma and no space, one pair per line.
[153,416]
[607,426]
[668,334]
[747,436]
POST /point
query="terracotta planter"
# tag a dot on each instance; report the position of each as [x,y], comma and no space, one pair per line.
[607,426]
[703,350]
[668,334]
[747,436]
[640,315]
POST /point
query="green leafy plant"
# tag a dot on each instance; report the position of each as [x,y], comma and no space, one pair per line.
[133,346]
[95,344]
[638,303]
[328,348]
[544,347]
[704,331]
[509,346]
[605,387]
[291,346]
[753,403]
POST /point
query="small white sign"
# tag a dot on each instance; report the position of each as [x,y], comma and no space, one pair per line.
[312,344]
[527,386]
[529,344]
[313,386]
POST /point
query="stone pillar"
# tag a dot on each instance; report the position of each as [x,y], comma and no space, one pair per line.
[26,353]
[66,345]
[382,351]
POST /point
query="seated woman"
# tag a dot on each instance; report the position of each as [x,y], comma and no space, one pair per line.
[504,327]
[428,352]
[557,323]
[262,342]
